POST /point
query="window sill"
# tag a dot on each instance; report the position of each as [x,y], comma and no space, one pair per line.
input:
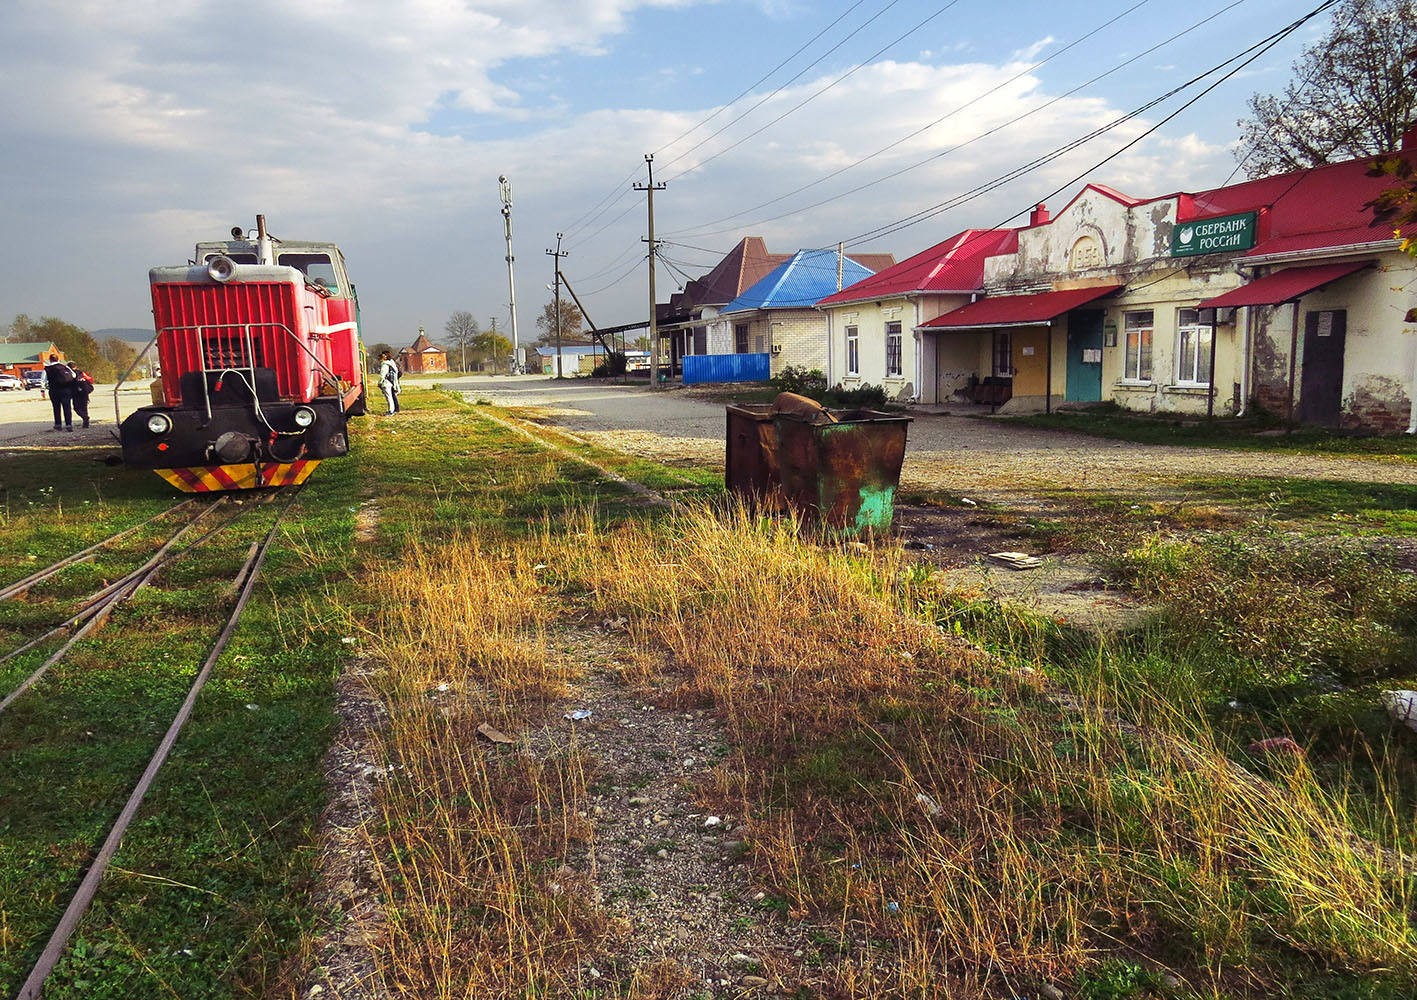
[1188,389]
[852,378]
[1131,383]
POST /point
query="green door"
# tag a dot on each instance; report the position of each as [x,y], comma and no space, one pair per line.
[1085,356]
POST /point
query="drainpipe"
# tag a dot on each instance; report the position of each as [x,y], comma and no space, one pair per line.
[1210,396]
[1048,376]
[1293,354]
[1246,352]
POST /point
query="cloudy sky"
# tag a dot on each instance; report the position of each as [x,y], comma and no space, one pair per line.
[132,130]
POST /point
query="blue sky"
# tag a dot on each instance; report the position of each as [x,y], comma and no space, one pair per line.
[133,130]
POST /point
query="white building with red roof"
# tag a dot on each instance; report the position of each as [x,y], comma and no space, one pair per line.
[1282,291]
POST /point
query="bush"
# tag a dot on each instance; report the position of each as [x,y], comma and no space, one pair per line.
[614,364]
[803,381]
[865,395]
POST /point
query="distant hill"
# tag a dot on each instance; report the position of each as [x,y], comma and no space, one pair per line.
[136,336]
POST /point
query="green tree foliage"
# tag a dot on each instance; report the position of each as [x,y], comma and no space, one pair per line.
[77,343]
[1353,94]
[118,353]
[571,321]
[491,346]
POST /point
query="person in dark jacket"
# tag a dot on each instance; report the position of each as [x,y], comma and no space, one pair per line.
[82,389]
[59,380]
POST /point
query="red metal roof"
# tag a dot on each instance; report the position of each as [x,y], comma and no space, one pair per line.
[1314,209]
[956,265]
[1283,285]
[1017,310]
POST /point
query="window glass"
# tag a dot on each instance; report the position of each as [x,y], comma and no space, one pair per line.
[315,266]
[1192,348]
[853,351]
[1003,355]
[893,359]
[1137,366]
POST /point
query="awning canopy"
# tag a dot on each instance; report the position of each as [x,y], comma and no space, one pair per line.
[1017,310]
[1283,286]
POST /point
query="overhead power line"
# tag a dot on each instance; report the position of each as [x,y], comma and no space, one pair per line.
[810,98]
[704,230]
[1242,59]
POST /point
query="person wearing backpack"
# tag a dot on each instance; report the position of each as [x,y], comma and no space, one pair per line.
[59,380]
[389,381]
[82,389]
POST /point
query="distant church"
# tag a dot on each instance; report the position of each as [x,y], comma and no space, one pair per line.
[423,356]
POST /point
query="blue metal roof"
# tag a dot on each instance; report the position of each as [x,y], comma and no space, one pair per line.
[806,278]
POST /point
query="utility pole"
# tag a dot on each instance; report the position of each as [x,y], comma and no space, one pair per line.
[511,282]
[557,254]
[649,190]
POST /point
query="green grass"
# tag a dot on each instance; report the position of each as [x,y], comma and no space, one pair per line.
[1246,433]
[209,892]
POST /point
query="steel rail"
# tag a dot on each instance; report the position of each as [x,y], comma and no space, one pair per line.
[78,905]
[20,586]
[95,616]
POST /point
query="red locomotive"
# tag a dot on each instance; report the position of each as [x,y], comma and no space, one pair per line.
[261,365]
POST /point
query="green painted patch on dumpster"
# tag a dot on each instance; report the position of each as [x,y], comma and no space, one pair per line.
[876,507]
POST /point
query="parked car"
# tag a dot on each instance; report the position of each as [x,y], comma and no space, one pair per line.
[8,381]
[34,379]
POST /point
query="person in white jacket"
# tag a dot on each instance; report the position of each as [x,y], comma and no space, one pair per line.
[389,380]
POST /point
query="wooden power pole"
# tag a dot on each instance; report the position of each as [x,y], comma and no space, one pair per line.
[557,254]
[649,190]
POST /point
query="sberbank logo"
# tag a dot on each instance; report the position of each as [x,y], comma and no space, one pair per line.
[1222,234]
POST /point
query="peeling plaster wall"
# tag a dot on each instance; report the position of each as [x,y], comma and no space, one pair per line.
[1380,349]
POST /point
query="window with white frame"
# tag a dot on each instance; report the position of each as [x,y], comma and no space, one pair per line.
[1192,348]
[893,360]
[1137,364]
[853,351]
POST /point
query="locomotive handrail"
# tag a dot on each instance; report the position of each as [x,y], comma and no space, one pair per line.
[250,353]
[117,413]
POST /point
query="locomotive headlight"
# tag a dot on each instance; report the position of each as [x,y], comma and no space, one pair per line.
[304,416]
[221,268]
[159,423]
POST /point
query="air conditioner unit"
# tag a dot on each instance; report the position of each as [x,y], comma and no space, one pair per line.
[777,348]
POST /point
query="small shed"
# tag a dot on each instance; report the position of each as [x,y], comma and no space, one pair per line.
[423,356]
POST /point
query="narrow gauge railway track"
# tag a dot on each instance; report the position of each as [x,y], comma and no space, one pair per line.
[93,610]
[96,609]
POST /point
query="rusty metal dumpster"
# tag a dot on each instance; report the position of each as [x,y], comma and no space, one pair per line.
[842,474]
[750,466]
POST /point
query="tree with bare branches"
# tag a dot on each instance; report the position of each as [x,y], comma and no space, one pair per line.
[1353,93]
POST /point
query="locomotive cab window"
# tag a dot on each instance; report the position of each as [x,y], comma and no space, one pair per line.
[236,258]
[315,266]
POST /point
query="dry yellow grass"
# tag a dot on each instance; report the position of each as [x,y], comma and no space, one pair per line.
[944,824]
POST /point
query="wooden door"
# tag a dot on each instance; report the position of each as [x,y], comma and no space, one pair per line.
[1321,386]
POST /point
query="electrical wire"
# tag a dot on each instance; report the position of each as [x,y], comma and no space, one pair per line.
[1253,52]
[808,100]
[800,73]
[749,89]
[953,149]
[592,214]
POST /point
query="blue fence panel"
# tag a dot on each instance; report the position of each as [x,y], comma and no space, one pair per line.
[726,368]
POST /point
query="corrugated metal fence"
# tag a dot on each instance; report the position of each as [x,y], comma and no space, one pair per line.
[726,368]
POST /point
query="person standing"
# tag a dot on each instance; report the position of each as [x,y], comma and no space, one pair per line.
[82,389]
[59,380]
[389,380]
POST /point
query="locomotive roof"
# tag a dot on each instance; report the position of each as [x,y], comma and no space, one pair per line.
[249,246]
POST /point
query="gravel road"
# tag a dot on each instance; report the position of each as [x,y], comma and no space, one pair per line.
[944,452]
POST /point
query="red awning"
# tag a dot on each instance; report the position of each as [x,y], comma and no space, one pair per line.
[1282,286]
[1017,310]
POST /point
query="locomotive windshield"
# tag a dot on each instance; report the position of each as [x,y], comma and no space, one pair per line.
[315,266]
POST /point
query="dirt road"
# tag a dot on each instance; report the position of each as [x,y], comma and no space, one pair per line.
[978,457]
